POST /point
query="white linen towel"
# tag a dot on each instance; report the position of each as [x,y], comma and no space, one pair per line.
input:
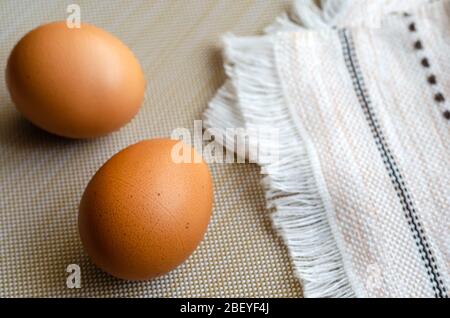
[358,92]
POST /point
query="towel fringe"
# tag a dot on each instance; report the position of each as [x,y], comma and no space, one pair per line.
[223,110]
[300,215]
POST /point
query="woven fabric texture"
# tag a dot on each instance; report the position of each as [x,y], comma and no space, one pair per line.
[383,155]
[42,176]
[362,185]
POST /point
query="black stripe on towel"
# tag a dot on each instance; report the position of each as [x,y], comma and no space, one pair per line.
[396,177]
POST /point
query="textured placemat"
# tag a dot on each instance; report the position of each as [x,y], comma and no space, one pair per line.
[42,177]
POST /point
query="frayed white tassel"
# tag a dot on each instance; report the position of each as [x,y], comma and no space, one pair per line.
[223,110]
[283,23]
[308,14]
[300,216]
[333,10]
[223,113]
[330,13]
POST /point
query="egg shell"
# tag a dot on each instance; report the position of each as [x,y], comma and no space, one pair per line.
[142,214]
[75,82]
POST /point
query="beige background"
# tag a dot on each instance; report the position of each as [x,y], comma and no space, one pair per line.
[42,176]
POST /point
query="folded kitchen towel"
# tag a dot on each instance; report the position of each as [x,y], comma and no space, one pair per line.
[359,94]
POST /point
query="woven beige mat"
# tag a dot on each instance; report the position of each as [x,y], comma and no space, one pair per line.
[42,177]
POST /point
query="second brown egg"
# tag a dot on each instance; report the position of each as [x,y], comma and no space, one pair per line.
[143,213]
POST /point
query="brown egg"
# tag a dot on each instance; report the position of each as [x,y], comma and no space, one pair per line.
[76,83]
[142,214]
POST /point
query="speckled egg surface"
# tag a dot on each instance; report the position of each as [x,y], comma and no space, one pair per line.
[143,214]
